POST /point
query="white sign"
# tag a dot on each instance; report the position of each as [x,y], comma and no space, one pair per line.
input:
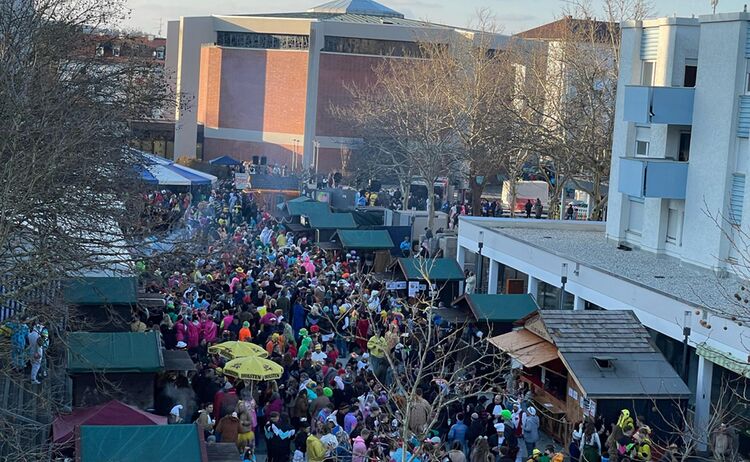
[413,288]
[395,285]
[241,180]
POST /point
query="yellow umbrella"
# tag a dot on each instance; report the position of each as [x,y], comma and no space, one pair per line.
[253,368]
[234,350]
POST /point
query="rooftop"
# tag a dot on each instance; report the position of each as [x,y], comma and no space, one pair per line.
[364,7]
[572,28]
[588,245]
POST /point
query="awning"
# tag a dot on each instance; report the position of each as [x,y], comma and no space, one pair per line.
[168,173]
[307,207]
[225,160]
[436,269]
[725,360]
[137,443]
[527,348]
[114,352]
[177,360]
[364,239]
[499,307]
[332,221]
[111,413]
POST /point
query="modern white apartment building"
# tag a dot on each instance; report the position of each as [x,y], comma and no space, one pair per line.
[677,195]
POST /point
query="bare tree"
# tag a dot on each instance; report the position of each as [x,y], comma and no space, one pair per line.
[67,181]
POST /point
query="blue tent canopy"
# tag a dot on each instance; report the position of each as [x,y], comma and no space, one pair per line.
[164,172]
[224,160]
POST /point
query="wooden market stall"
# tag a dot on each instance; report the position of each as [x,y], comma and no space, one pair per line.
[592,364]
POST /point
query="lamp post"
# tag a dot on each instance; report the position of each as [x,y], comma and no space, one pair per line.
[563,280]
[316,144]
[478,265]
[686,334]
[294,155]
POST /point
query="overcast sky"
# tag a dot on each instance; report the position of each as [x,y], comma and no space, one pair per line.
[513,15]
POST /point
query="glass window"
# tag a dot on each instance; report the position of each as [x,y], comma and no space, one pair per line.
[691,72]
[641,148]
[647,74]
[674,226]
[684,153]
[635,216]
[371,46]
[263,41]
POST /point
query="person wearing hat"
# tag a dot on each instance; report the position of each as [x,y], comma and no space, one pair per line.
[497,440]
[531,428]
[476,429]
[318,356]
[174,414]
[300,440]
[511,440]
[278,438]
[245,335]
[535,455]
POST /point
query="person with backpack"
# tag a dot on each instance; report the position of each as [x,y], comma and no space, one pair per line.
[592,447]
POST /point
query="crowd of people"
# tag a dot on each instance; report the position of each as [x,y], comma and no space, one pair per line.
[345,343]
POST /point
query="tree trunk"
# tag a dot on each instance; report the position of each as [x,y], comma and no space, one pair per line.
[476,196]
[512,183]
[430,203]
[405,187]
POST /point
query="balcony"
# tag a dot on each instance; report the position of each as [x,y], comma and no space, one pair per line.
[662,178]
[659,105]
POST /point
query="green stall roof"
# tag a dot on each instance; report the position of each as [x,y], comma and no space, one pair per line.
[437,269]
[114,352]
[139,443]
[364,239]
[332,221]
[116,290]
[499,307]
[307,208]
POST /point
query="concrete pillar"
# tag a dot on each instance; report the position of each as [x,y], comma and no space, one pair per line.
[578,303]
[703,399]
[533,288]
[461,258]
[493,274]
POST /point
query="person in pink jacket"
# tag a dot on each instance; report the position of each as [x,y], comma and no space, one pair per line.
[180,329]
[209,330]
[359,450]
[193,334]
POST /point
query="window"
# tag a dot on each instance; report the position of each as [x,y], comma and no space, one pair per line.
[674,226]
[684,153]
[604,362]
[116,50]
[635,215]
[255,160]
[263,41]
[363,46]
[641,148]
[747,83]
[691,73]
[647,73]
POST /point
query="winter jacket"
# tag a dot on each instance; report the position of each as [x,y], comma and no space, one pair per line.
[359,450]
[316,451]
[229,429]
[531,429]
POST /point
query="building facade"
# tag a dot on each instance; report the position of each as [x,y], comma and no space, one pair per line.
[262,86]
[672,248]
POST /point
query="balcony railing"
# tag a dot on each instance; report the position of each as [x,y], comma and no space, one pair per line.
[659,105]
[662,178]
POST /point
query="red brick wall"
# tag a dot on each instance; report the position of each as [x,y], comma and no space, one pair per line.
[337,72]
[263,90]
[209,86]
[329,160]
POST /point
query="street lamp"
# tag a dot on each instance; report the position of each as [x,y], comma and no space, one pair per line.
[316,144]
[294,155]
[478,265]
[563,280]
[687,320]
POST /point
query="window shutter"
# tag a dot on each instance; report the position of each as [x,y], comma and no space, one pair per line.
[649,43]
[736,199]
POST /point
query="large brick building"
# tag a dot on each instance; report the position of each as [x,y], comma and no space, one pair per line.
[259,87]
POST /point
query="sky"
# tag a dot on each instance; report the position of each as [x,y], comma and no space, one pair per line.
[512,15]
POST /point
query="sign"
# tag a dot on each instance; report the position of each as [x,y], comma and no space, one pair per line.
[241,180]
[413,288]
[395,285]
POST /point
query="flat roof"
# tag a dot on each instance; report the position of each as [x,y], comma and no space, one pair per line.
[690,284]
